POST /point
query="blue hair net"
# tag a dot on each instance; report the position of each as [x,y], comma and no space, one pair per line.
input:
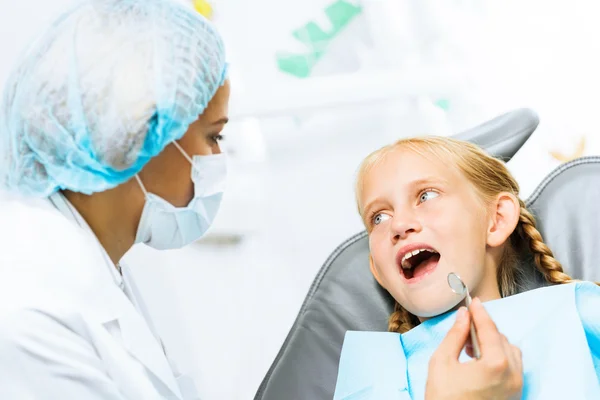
[104,90]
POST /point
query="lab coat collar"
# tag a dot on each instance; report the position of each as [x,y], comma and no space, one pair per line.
[60,203]
[139,340]
[111,304]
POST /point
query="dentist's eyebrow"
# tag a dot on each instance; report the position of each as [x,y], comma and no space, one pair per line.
[223,121]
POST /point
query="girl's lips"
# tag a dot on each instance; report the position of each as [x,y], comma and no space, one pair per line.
[405,250]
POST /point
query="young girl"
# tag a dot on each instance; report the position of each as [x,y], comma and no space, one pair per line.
[435,205]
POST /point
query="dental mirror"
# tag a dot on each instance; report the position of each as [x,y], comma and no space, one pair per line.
[456,284]
[460,288]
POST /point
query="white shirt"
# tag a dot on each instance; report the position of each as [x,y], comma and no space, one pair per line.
[70,326]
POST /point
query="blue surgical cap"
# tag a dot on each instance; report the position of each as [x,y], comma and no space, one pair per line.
[105,89]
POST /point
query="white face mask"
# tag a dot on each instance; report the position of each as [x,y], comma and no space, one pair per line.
[164,226]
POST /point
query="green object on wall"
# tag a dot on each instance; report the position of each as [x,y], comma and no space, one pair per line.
[340,13]
[444,104]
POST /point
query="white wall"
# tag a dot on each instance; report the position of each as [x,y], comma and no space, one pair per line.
[224,311]
[20,21]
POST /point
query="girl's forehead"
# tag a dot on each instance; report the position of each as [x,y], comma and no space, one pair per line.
[409,165]
[404,171]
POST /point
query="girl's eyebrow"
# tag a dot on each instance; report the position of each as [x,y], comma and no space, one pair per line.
[370,205]
[429,180]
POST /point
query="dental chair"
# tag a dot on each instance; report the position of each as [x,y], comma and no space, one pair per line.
[345,296]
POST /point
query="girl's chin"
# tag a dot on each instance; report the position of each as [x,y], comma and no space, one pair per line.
[431,312]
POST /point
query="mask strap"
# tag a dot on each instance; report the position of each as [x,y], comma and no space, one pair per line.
[183,152]
[139,181]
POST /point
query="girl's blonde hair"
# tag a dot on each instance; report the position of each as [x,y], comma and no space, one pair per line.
[489,177]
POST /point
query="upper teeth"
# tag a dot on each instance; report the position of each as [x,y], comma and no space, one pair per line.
[406,264]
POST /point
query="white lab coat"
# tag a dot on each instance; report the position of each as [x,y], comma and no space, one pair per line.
[69,329]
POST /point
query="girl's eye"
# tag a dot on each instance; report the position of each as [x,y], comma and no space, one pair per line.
[379,218]
[427,195]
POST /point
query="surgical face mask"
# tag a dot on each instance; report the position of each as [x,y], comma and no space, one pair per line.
[164,226]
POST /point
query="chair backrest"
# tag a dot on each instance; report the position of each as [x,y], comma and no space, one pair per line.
[345,296]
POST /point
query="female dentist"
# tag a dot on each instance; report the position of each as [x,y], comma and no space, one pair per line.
[109,136]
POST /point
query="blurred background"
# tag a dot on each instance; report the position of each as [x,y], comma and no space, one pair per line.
[316,86]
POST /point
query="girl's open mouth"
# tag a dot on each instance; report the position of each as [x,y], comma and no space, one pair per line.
[418,263]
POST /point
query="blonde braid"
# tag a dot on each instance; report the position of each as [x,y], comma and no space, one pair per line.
[545,262]
[401,320]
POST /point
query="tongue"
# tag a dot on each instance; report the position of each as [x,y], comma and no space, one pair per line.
[423,267]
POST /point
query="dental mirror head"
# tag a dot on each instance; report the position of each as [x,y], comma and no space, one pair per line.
[459,287]
[456,284]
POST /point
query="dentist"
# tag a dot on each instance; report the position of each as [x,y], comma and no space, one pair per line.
[109,136]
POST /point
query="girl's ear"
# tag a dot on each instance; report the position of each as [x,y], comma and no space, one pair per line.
[504,217]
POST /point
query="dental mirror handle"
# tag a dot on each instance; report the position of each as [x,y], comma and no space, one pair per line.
[474,341]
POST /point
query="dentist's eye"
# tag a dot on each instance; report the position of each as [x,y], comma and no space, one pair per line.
[217,138]
[379,218]
[428,195]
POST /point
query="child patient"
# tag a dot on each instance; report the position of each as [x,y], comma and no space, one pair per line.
[435,205]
